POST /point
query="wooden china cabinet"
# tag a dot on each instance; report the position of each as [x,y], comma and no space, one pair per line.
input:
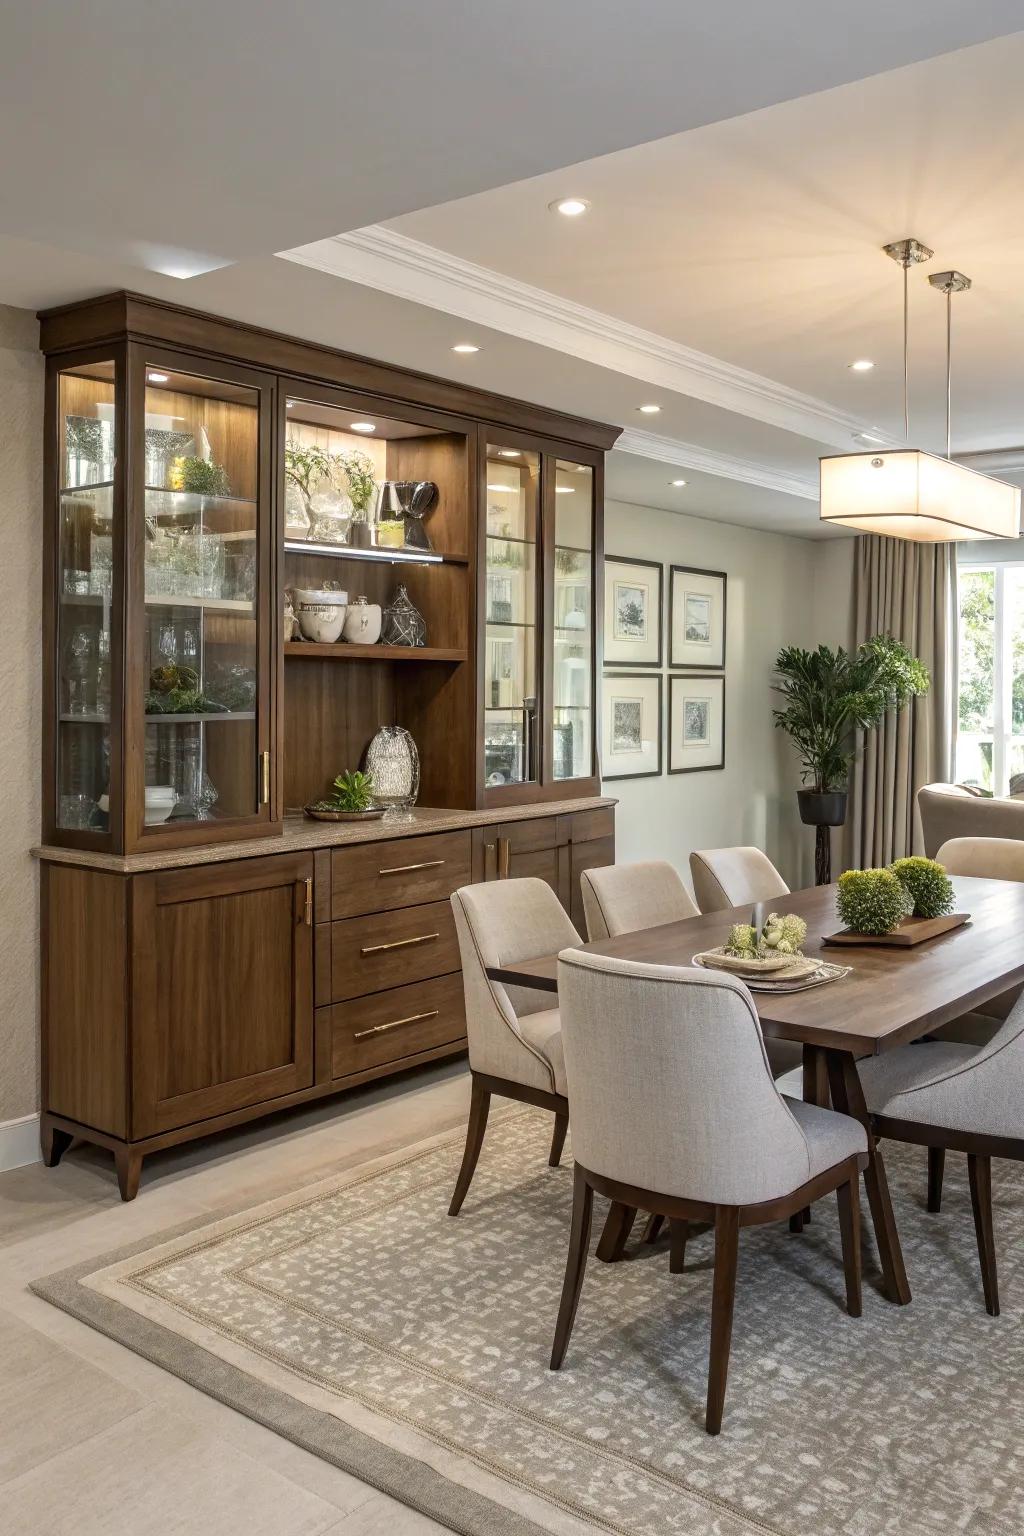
[208,956]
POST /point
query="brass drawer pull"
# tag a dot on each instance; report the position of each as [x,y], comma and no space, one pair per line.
[405,869]
[421,938]
[382,1029]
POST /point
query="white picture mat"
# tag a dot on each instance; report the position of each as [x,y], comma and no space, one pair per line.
[622,699]
[629,586]
[697,637]
[696,723]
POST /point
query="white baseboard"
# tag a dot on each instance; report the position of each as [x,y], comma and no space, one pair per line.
[19,1142]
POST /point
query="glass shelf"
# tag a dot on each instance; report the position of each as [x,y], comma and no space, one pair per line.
[203,719]
[394,556]
[183,600]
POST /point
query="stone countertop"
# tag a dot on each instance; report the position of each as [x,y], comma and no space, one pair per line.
[299,832]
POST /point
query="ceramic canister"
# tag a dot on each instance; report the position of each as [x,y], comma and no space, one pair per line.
[362,622]
[321,613]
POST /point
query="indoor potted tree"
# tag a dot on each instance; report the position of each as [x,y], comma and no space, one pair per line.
[829,697]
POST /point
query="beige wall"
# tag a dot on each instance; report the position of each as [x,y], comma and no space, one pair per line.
[771,602]
[21,415]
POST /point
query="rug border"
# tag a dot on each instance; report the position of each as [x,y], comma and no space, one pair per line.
[402,1476]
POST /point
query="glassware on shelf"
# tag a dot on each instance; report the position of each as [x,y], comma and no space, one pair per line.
[103,674]
[163,447]
[101,569]
[76,582]
[188,780]
[80,671]
[389,524]
[240,569]
[403,623]
[330,517]
[88,450]
[393,763]
[297,519]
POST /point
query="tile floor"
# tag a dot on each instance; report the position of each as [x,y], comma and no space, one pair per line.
[94,1439]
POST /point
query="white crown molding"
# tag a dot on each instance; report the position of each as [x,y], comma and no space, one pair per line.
[382,258]
[19,1143]
[669,450]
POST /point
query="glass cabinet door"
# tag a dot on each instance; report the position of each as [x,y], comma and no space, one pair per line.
[511,717]
[85,563]
[573,621]
[200,635]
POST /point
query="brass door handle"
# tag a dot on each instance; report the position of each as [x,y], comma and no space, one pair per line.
[421,938]
[264,778]
[405,869]
[382,1029]
[504,857]
[307,914]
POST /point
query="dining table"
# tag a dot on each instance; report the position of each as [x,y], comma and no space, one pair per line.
[891,996]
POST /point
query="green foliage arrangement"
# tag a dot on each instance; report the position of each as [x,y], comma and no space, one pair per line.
[872,900]
[780,936]
[176,691]
[350,792]
[306,467]
[831,695]
[203,477]
[930,888]
[358,471]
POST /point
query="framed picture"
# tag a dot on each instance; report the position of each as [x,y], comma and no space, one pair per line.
[696,722]
[632,612]
[696,622]
[631,726]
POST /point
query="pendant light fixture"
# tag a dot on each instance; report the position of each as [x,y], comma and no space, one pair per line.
[906,492]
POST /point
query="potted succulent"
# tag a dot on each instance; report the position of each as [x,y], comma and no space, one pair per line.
[829,696]
[351,799]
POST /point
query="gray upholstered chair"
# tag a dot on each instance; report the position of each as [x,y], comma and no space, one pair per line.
[622,898]
[953,1097]
[674,1110]
[515,1044]
[734,877]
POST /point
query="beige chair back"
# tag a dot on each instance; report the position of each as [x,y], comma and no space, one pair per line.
[991,858]
[669,1083]
[623,898]
[734,877]
[499,923]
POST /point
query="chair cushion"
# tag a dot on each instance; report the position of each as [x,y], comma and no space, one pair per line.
[907,1075]
[831,1138]
[543,1031]
[791,1084]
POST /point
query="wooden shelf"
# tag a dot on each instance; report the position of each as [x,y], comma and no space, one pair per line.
[342,651]
[391,556]
[168,717]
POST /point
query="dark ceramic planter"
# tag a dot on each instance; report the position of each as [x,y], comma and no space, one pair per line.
[822,808]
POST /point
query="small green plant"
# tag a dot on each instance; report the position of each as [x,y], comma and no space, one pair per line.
[358,471]
[203,477]
[352,792]
[930,888]
[306,467]
[872,900]
[781,935]
[176,691]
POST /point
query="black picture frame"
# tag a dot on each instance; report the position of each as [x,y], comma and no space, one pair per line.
[675,684]
[675,571]
[640,677]
[612,663]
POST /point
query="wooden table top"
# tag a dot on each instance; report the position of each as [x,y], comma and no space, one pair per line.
[890,997]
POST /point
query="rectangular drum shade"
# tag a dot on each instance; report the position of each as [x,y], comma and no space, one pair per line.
[909,494]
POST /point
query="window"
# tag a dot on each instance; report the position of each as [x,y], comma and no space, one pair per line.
[990,742]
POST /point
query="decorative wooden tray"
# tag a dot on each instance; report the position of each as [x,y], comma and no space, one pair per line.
[318,815]
[911,931]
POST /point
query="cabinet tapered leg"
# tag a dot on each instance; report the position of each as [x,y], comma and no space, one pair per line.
[128,1163]
[53,1141]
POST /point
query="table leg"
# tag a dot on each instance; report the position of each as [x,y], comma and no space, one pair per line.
[848,1099]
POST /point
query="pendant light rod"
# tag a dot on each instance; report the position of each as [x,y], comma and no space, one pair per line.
[908,253]
[949,283]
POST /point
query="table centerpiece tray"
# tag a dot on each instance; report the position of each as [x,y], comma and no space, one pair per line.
[911,931]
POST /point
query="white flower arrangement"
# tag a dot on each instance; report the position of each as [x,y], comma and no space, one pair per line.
[781,935]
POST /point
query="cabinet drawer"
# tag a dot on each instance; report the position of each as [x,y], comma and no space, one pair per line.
[402,872]
[587,826]
[372,1031]
[391,949]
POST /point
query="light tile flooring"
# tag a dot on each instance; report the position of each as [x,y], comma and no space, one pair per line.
[94,1439]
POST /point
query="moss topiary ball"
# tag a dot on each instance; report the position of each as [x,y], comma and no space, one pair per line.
[872,900]
[931,889]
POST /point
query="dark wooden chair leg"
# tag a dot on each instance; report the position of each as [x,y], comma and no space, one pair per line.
[479,1104]
[558,1140]
[128,1164]
[936,1168]
[727,1236]
[617,1227]
[848,1099]
[797,1220]
[979,1169]
[678,1231]
[652,1229]
[575,1265]
[848,1195]
[816,1091]
[53,1141]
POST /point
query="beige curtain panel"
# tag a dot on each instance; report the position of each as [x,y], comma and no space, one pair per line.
[908,591]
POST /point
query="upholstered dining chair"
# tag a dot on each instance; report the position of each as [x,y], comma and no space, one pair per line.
[515,1045]
[990,858]
[675,1110]
[734,877]
[623,898]
[954,1097]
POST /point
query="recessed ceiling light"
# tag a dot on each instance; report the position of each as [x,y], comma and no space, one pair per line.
[572,207]
[363,426]
[565,490]
[465,346]
[501,487]
[868,437]
[157,378]
[862,365]
[649,410]
[677,482]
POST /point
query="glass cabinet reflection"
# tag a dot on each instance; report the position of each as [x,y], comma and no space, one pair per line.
[573,682]
[511,691]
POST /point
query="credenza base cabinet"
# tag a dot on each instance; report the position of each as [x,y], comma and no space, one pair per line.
[184,999]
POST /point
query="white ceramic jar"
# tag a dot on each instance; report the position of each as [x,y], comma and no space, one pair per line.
[320,613]
[362,622]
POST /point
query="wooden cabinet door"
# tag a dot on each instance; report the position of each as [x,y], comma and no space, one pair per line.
[515,850]
[222,988]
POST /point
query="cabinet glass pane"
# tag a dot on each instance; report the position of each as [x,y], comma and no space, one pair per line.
[511,719]
[574,621]
[200,627]
[85,577]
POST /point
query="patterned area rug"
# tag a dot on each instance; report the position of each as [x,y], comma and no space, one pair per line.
[357,1319]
